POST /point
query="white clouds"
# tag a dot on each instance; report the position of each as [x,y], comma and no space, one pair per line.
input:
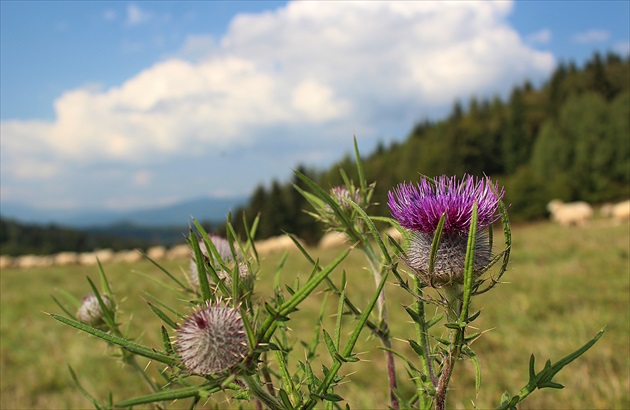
[540,37]
[591,36]
[622,47]
[317,102]
[136,15]
[198,46]
[142,177]
[109,15]
[299,78]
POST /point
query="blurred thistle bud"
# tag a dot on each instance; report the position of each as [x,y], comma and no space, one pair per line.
[90,311]
[212,340]
[341,193]
[420,207]
[225,252]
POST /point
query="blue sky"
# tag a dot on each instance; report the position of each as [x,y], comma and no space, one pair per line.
[123,104]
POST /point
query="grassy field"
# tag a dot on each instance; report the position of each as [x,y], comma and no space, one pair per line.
[564,285]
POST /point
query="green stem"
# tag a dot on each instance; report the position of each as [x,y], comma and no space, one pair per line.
[384,325]
[260,393]
[454,305]
[347,351]
[422,335]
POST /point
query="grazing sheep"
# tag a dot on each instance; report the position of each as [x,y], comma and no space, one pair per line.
[104,255]
[6,261]
[333,240]
[66,258]
[568,214]
[33,261]
[87,258]
[605,211]
[178,252]
[276,243]
[619,212]
[394,233]
[156,252]
[129,256]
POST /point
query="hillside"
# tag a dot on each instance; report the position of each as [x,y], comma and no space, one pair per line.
[568,139]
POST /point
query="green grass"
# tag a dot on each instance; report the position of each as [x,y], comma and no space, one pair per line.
[564,285]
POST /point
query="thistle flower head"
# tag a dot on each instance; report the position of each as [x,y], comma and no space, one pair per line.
[225,252]
[212,340]
[90,311]
[419,208]
[341,193]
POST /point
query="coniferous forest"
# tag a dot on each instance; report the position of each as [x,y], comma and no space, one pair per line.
[568,139]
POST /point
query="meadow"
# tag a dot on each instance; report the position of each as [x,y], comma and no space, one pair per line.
[563,285]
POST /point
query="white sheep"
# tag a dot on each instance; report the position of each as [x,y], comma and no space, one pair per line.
[66,258]
[6,261]
[394,233]
[333,239]
[178,252]
[128,256]
[572,213]
[156,253]
[275,244]
[619,212]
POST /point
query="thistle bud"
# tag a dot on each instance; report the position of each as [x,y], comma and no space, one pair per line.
[90,311]
[223,249]
[341,193]
[212,340]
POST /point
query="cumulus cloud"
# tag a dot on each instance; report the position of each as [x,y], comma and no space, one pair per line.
[109,15]
[540,37]
[288,83]
[136,15]
[622,47]
[591,36]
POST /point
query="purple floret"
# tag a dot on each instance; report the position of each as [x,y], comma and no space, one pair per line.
[419,207]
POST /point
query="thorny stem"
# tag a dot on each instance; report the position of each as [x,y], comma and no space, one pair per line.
[454,306]
[261,394]
[266,376]
[422,334]
[130,359]
[385,339]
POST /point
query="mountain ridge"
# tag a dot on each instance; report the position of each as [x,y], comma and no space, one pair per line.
[178,214]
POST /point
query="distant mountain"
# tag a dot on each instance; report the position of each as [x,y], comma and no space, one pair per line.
[179,214]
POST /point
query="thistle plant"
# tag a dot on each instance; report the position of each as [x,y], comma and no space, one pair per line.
[226,338]
[212,340]
[224,252]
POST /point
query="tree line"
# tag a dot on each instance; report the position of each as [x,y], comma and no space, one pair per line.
[567,139]
[18,238]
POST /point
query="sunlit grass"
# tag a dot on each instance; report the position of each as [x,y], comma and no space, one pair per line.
[564,285]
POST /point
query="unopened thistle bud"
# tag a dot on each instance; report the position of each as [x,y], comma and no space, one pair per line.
[225,252]
[341,193]
[420,207]
[90,311]
[212,340]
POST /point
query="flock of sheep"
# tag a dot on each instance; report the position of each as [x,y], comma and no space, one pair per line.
[565,214]
[580,213]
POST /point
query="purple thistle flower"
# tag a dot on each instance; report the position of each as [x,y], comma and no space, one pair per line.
[212,340]
[419,208]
